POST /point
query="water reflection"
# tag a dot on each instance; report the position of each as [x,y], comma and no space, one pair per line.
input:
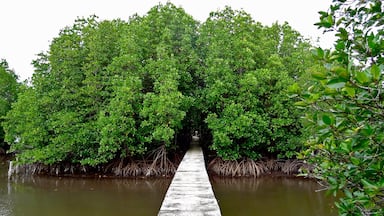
[271,196]
[5,191]
[42,196]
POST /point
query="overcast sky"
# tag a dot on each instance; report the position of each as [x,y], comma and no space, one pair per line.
[28,26]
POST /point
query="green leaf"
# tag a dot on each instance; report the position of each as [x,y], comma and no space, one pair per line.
[375,72]
[369,185]
[320,75]
[327,119]
[301,104]
[355,161]
[346,146]
[294,88]
[323,13]
[350,91]
[326,21]
[348,193]
[372,42]
[367,131]
[320,53]
[336,83]
[341,72]
[330,91]
[343,34]
[363,77]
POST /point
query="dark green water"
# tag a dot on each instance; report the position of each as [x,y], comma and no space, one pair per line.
[53,196]
[271,196]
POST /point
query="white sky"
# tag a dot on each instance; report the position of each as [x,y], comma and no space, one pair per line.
[28,26]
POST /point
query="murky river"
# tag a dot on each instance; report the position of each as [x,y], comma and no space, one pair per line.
[53,196]
[43,196]
[271,196]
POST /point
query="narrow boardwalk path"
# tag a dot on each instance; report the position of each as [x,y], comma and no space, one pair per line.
[190,192]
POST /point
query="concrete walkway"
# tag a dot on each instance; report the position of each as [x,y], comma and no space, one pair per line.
[190,192]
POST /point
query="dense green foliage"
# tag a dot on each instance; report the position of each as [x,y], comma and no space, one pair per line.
[107,89]
[113,89]
[8,94]
[246,73]
[346,106]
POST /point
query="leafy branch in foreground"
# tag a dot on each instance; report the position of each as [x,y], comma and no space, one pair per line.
[345,107]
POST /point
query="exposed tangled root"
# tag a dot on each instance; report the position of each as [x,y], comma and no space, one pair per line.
[161,165]
[157,164]
[42,169]
[131,168]
[251,168]
[245,167]
[290,167]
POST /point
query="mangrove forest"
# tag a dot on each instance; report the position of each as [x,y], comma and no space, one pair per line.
[124,97]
